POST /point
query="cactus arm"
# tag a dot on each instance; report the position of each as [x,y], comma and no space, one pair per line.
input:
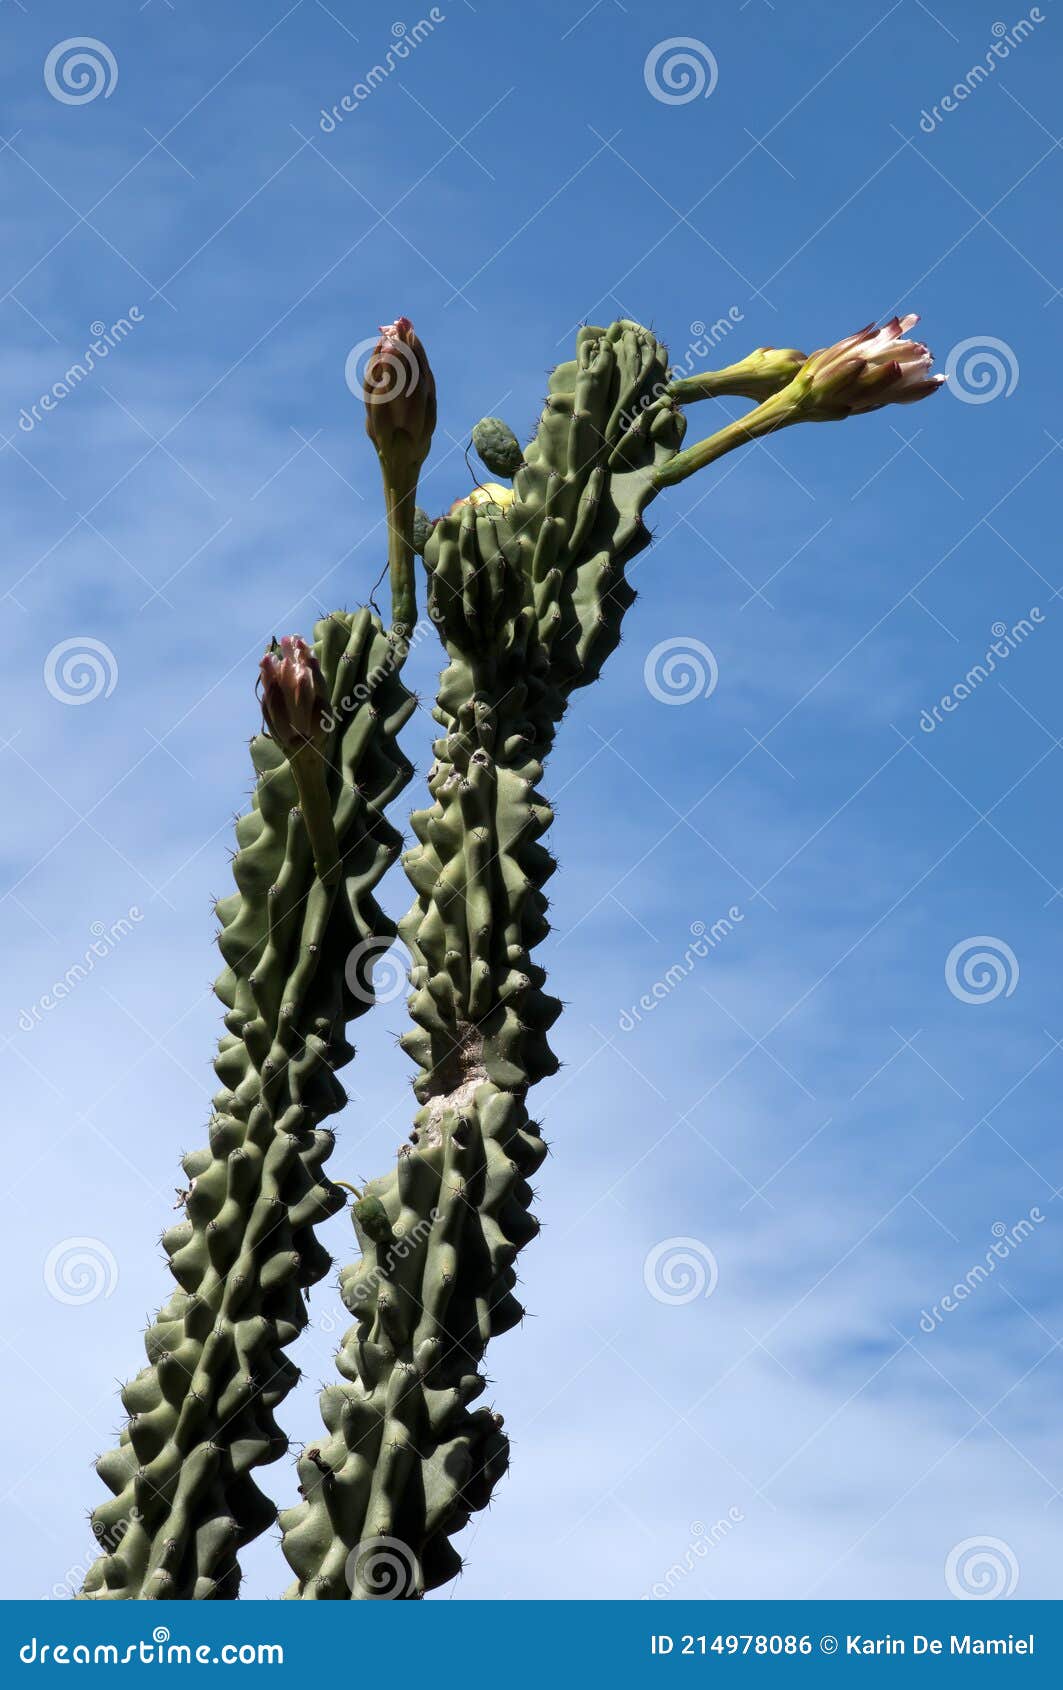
[201,1413]
[528,606]
[528,596]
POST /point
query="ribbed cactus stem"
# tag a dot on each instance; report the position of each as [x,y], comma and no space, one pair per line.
[528,602]
[310,852]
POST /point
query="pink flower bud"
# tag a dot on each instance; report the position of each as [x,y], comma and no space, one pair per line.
[400,400]
[294,701]
[875,367]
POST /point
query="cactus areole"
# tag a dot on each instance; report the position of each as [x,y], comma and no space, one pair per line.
[527,588]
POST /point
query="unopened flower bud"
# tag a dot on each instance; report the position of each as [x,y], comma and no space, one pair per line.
[875,367]
[400,402]
[295,704]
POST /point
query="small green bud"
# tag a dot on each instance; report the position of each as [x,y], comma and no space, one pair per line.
[498,446]
[372,1217]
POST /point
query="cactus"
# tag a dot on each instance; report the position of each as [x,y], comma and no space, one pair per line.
[528,591]
[297,939]
[529,602]
[243,1256]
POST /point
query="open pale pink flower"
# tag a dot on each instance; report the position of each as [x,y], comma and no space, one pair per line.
[875,367]
[295,702]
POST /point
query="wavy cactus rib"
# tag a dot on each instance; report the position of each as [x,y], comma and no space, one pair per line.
[529,605]
[201,1413]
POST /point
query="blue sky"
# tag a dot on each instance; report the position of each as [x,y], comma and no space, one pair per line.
[842,1137]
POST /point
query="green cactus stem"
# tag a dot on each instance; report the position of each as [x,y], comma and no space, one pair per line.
[201,1414]
[528,604]
[528,597]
